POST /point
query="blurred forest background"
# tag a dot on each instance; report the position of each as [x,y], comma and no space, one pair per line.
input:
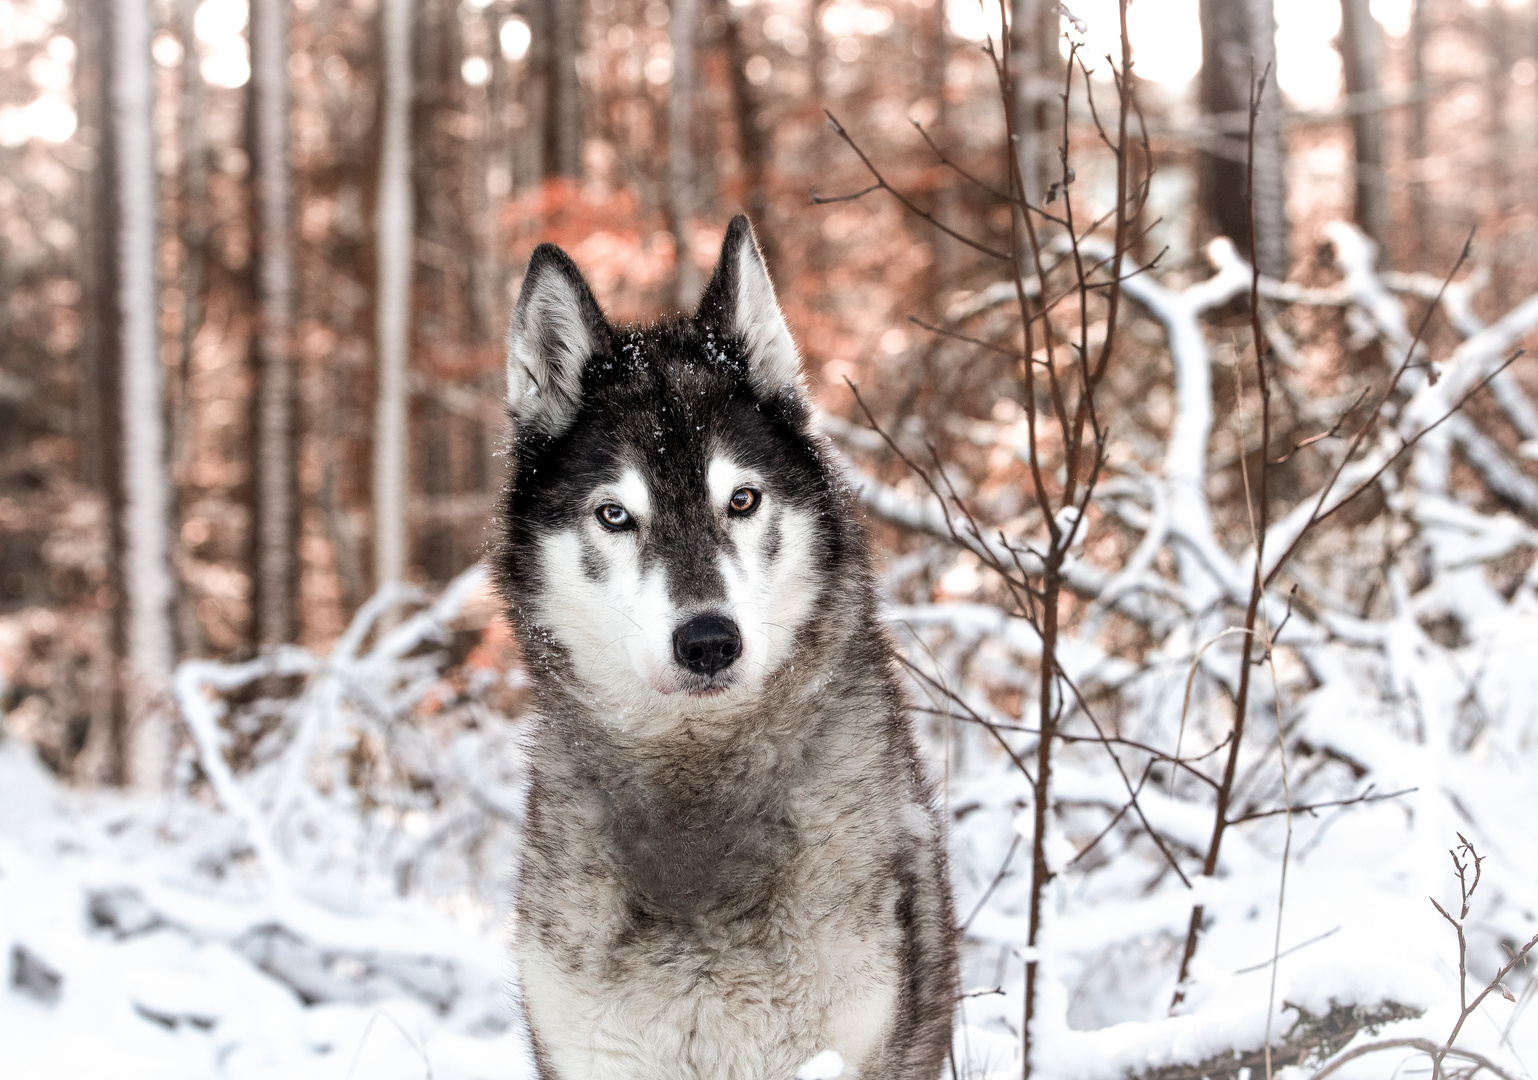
[325,342]
[256,262]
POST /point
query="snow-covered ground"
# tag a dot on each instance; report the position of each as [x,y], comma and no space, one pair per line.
[278,923]
[154,964]
[324,889]
[153,937]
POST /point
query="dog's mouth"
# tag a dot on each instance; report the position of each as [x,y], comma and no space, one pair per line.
[697,685]
[691,685]
[713,686]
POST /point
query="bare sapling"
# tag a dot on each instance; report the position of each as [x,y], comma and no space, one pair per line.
[1067,272]
[1060,375]
[1256,630]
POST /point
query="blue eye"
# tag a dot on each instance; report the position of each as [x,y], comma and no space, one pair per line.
[614,517]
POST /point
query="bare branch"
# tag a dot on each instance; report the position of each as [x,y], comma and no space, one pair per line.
[907,203]
[1307,808]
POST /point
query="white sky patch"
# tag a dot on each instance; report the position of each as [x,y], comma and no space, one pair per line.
[843,18]
[1307,65]
[1394,15]
[220,26]
[475,71]
[49,119]
[1167,42]
[1166,39]
[515,38]
[1164,48]
[969,20]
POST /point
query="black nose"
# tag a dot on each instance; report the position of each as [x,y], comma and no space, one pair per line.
[707,644]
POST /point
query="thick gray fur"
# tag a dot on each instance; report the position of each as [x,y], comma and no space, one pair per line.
[719,884]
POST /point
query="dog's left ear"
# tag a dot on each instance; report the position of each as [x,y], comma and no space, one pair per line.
[556,328]
[740,300]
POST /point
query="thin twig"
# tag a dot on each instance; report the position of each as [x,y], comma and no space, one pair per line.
[907,203]
[1308,808]
[1425,1046]
[1316,516]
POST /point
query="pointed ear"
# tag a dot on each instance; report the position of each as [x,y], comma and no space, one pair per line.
[556,327]
[740,300]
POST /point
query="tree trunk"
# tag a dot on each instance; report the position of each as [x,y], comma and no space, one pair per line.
[563,90]
[477,219]
[1420,194]
[146,568]
[816,250]
[530,165]
[105,755]
[684,22]
[752,142]
[1238,42]
[1036,69]
[936,61]
[276,521]
[1360,48]
[393,232]
[193,231]
[1500,148]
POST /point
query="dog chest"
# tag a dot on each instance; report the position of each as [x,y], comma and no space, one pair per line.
[737,947]
[748,1000]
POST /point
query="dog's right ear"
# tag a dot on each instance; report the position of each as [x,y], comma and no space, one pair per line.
[740,300]
[556,327]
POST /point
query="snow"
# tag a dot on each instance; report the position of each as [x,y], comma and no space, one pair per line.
[204,933]
[1375,706]
[256,925]
[828,1065]
[176,988]
[324,889]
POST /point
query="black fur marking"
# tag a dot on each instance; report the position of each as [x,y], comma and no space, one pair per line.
[592,564]
[772,540]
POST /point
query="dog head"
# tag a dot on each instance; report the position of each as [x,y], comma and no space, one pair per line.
[672,525]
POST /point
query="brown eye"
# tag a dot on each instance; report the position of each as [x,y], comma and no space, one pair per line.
[744,502]
[614,517]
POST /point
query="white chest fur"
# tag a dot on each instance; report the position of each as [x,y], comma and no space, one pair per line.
[717,1008]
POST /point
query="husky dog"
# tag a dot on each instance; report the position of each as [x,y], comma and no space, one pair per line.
[732,860]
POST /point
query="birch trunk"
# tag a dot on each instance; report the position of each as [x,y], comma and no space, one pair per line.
[393,230]
[1238,41]
[275,526]
[681,152]
[1360,50]
[146,567]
